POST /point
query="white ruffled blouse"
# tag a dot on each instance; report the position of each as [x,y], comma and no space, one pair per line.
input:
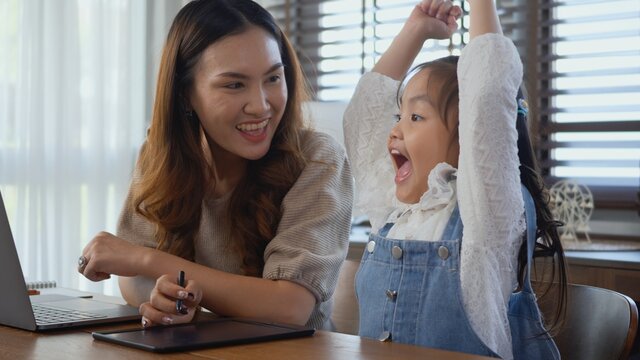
[486,184]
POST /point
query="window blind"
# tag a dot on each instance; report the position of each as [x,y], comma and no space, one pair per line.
[337,41]
[588,87]
[582,74]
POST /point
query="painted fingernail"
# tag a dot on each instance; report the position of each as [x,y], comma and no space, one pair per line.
[167,320]
[182,294]
[184,310]
[145,322]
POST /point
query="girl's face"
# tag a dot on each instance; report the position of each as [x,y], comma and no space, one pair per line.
[239,93]
[420,140]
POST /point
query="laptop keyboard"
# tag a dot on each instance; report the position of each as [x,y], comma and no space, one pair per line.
[47,314]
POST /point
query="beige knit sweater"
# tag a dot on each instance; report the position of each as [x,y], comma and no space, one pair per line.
[312,237]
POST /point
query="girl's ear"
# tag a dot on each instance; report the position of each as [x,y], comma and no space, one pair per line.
[453,152]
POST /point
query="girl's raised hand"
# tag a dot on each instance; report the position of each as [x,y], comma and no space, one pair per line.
[162,308]
[436,19]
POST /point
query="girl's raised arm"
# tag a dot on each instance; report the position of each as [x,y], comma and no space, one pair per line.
[484,18]
[431,19]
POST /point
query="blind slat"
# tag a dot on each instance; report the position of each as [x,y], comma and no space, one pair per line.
[591,73]
[591,163]
[591,144]
[592,109]
[621,126]
[591,91]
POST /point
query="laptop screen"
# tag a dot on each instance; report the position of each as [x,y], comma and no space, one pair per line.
[16,308]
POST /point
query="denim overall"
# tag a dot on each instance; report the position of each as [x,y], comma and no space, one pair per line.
[409,292]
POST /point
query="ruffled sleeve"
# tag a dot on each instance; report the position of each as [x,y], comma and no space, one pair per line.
[491,205]
[368,120]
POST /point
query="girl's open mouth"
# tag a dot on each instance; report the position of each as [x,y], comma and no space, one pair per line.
[403,166]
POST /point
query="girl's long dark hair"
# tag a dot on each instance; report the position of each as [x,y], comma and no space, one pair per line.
[548,240]
[444,70]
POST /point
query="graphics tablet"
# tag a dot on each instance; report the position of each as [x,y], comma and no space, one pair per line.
[198,335]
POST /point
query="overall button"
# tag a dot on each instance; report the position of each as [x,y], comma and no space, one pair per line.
[385,336]
[443,252]
[391,294]
[396,251]
[371,245]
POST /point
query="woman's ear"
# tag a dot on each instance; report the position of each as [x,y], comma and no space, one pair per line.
[185,102]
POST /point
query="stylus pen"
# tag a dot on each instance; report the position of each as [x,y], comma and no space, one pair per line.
[179,306]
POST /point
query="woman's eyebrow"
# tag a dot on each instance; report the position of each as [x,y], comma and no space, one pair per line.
[237,75]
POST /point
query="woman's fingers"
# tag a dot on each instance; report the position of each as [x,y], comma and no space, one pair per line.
[166,293]
[89,268]
[170,303]
[108,254]
[170,298]
[152,316]
[194,294]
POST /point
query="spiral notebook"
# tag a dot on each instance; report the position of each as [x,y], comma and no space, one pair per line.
[38,285]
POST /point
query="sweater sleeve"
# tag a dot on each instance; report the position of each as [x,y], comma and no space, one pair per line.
[313,234]
[132,226]
[367,122]
[137,230]
[490,202]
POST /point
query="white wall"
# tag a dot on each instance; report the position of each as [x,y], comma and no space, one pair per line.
[326,117]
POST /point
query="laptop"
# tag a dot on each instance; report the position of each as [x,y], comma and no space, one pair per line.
[46,312]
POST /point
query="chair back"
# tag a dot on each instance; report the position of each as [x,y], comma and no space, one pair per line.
[345,316]
[600,324]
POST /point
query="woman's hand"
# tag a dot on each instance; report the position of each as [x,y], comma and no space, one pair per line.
[108,254]
[435,19]
[163,307]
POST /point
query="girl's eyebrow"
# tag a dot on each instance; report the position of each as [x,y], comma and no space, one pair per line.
[237,75]
[421,97]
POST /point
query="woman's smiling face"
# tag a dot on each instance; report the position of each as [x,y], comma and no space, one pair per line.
[420,139]
[239,93]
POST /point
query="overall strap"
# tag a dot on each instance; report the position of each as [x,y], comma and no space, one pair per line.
[531,226]
[385,229]
[454,226]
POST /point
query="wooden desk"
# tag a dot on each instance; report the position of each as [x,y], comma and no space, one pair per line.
[79,344]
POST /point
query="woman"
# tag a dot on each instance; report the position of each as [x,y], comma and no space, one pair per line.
[230,187]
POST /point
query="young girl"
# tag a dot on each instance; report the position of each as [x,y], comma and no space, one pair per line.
[443,260]
[230,186]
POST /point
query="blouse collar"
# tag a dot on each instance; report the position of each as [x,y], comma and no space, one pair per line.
[442,190]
